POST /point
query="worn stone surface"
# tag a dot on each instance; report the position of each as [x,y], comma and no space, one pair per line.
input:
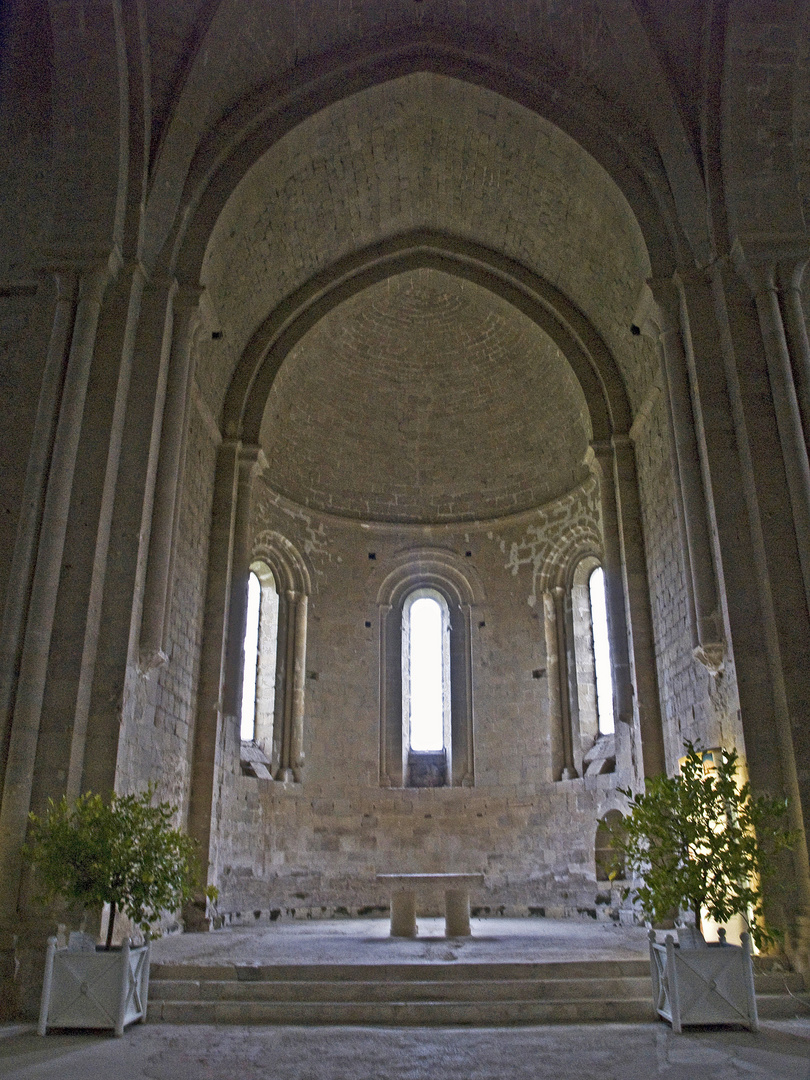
[166,1052]
[393,209]
[316,846]
[424,132]
[407,378]
[697,705]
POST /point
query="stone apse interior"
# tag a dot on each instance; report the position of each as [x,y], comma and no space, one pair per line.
[385,301]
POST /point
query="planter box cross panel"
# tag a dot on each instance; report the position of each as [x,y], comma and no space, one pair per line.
[103,989]
[711,985]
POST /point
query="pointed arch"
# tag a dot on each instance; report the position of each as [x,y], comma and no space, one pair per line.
[590,359]
[262,117]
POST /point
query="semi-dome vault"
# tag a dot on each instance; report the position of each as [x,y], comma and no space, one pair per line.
[386,406]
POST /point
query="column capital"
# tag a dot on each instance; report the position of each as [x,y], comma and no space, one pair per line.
[66,280]
[622,443]
[760,277]
[789,274]
[158,283]
[106,260]
[712,655]
[92,283]
[187,296]
[249,456]
[658,311]
[602,448]
[603,460]
[770,267]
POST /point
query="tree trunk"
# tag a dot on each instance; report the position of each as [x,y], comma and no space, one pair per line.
[110,926]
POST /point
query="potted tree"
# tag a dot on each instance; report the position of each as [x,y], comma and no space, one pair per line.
[702,845]
[125,854]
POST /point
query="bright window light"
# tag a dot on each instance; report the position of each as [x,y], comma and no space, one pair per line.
[426,706]
[601,652]
[248,727]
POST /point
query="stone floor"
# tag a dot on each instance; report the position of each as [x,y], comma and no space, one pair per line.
[779,1051]
[368,941]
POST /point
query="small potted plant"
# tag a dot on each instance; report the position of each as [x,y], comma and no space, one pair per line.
[700,843]
[124,853]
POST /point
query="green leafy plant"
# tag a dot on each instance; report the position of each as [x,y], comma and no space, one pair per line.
[702,841]
[124,853]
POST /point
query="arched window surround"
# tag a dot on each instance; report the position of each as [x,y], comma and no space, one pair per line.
[441,572]
[281,737]
[261,667]
[594,749]
[577,746]
[582,652]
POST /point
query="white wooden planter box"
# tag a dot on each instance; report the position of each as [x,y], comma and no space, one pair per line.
[713,985]
[94,989]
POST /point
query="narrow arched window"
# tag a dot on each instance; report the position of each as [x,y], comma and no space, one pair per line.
[260,650]
[601,652]
[251,659]
[426,688]
[437,576]
[591,687]
[426,709]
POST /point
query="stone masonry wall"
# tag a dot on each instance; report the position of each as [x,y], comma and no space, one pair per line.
[158,744]
[313,849]
[694,704]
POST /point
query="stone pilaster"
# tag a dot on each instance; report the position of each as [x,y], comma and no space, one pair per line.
[25,726]
[19,933]
[220,656]
[557,754]
[106,707]
[790,275]
[664,319]
[25,549]
[240,569]
[568,771]
[157,588]
[122,352]
[765,600]
[761,279]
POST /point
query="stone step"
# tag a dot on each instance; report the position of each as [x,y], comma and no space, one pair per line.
[783,1006]
[458,972]
[411,990]
[402,1013]
[779,982]
[428,993]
